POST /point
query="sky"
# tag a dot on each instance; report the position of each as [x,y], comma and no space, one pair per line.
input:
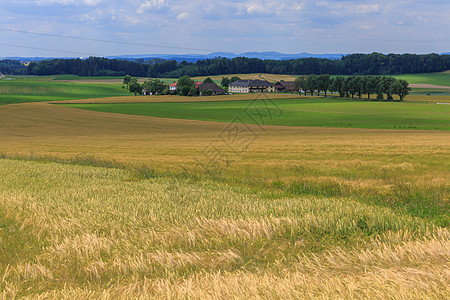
[131,27]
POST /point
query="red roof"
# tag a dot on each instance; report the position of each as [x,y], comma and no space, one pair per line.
[197,84]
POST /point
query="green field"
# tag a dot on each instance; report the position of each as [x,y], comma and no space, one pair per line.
[35,89]
[309,112]
[427,78]
[76,77]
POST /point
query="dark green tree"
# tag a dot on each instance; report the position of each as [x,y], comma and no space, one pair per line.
[225,81]
[234,78]
[193,92]
[154,86]
[185,81]
[126,80]
[184,90]
[400,88]
[388,83]
[371,85]
[208,80]
[323,83]
[298,84]
[338,86]
[312,83]
[135,87]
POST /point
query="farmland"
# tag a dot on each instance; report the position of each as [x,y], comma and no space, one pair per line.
[295,112]
[20,89]
[168,199]
[442,79]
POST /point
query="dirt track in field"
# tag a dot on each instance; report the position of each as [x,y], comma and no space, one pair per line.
[428,86]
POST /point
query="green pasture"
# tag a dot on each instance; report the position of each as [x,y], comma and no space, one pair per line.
[296,112]
[76,77]
[18,90]
[427,78]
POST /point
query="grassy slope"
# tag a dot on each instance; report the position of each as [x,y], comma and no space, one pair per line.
[306,112]
[21,90]
[104,232]
[427,78]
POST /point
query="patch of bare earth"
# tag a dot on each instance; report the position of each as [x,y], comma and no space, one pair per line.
[428,86]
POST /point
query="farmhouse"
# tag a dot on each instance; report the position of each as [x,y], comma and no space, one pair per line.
[251,86]
[285,86]
[205,86]
[146,93]
[173,86]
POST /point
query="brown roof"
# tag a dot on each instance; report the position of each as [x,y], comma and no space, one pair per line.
[211,86]
[251,83]
[286,84]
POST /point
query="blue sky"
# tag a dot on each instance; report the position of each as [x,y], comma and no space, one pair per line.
[201,26]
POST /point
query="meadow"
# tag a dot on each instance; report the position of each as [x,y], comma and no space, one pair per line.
[442,79]
[34,89]
[168,199]
[305,111]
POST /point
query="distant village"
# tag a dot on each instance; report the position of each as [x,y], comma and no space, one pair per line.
[209,87]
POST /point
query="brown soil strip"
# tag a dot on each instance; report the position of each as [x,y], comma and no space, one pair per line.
[428,86]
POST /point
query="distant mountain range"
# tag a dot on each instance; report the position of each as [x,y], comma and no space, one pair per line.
[260,55]
[195,57]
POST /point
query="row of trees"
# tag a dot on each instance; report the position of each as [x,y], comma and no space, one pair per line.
[153,86]
[354,86]
[354,64]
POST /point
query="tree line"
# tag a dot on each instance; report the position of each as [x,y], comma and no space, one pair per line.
[354,86]
[353,64]
[12,67]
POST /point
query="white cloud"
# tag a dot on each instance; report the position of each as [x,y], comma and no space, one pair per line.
[182,16]
[367,8]
[150,4]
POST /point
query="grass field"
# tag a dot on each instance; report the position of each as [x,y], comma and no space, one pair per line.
[442,78]
[295,112]
[118,205]
[21,90]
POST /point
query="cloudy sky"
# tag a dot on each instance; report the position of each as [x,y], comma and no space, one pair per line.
[204,26]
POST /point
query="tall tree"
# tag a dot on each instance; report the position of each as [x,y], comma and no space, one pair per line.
[371,85]
[135,87]
[234,79]
[298,84]
[323,83]
[225,81]
[400,88]
[185,81]
[126,80]
[338,86]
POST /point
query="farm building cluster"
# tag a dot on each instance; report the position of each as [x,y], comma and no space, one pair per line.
[242,86]
[202,88]
[260,86]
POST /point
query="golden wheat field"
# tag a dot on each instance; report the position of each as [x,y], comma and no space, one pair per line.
[104,206]
[89,232]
